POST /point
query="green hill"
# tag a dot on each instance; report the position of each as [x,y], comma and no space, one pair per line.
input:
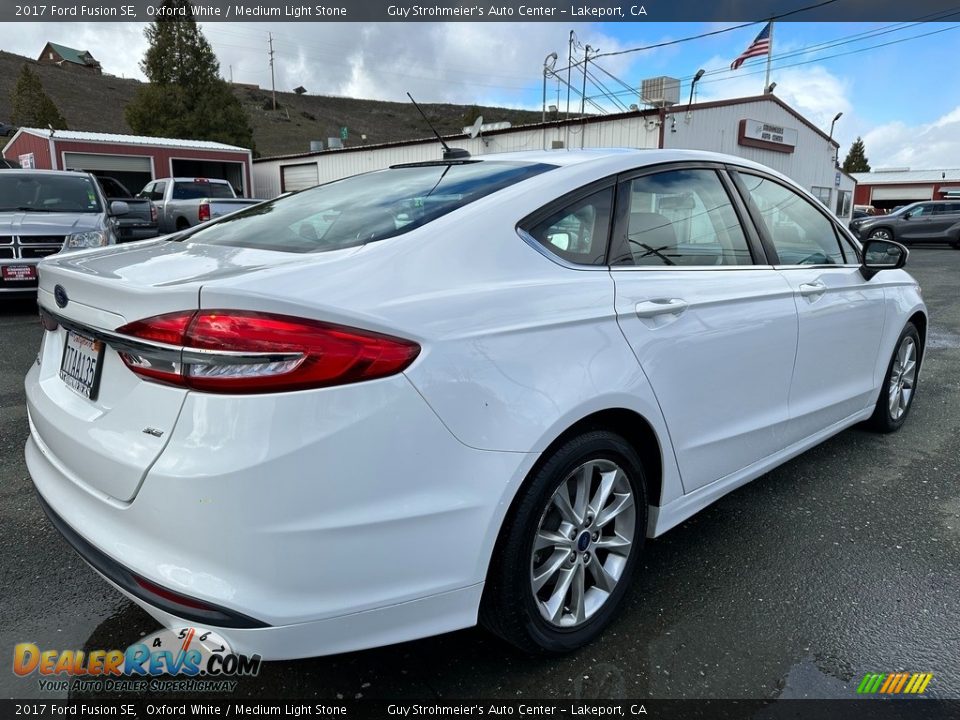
[96,103]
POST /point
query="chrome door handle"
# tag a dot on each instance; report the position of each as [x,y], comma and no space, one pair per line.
[661,306]
[814,288]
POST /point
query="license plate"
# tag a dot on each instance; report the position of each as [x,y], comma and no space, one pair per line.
[14,273]
[81,363]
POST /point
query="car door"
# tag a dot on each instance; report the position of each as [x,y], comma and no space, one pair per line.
[918,224]
[841,315]
[713,327]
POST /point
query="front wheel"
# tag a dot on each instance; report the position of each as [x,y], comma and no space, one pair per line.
[880,234]
[569,546]
[899,383]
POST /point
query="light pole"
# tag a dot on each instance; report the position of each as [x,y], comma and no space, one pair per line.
[693,84]
[836,158]
[834,122]
[549,63]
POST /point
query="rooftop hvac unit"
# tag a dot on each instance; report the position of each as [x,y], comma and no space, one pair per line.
[316,145]
[334,143]
[660,91]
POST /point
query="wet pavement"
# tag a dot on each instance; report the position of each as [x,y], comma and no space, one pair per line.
[844,561]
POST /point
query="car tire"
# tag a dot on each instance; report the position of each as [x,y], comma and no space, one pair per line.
[591,546]
[880,234]
[899,385]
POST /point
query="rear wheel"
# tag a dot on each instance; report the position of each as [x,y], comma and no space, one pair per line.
[569,547]
[899,383]
[182,224]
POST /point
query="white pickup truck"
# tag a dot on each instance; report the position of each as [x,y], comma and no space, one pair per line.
[185,202]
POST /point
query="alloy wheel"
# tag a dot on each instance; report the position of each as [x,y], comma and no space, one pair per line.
[903,376]
[583,542]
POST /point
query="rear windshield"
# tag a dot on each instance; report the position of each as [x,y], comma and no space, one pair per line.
[364,208]
[39,192]
[197,190]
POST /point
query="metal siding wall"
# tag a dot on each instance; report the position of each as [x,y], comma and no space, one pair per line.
[630,132]
[810,164]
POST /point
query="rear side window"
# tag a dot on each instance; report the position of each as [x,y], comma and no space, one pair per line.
[578,232]
[158,191]
[679,217]
[200,190]
[365,208]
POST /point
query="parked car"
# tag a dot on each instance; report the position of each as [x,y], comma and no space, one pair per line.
[142,219]
[383,407]
[8,164]
[6,129]
[185,202]
[43,212]
[929,221]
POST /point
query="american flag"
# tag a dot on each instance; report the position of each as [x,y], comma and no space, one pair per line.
[760,46]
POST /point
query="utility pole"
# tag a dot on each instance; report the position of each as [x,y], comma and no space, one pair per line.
[273,86]
[566,137]
[583,94]
[231,74]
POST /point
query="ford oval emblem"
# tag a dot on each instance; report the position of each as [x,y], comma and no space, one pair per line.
[60,295]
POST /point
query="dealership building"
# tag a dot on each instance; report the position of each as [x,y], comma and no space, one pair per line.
[133,160]
[889,187]
[761,128]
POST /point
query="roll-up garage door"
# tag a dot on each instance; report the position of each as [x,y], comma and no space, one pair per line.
[107,163]
[298,177]
[921,192]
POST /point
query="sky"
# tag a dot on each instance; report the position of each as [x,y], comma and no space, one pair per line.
[893,82]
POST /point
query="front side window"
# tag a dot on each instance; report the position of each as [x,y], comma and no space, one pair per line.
[679,217]
[578,232]
[364,208]
[800,233]
[40,192]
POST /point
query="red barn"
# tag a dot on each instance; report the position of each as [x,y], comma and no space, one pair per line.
[887,188]
[131,159]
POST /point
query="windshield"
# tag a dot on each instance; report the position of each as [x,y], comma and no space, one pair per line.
[39,192]
[364,208]
[199,189]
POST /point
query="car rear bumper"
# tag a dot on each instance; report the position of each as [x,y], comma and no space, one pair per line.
[336,520]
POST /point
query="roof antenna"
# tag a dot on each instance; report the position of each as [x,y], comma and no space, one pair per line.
[448,152]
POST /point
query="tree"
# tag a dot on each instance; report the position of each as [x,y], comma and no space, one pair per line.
[856,160]
[32,107]
[186,97]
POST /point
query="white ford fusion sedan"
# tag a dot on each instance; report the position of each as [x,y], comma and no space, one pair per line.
[448,392]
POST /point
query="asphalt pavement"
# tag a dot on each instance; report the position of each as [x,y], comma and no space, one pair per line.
[844,561]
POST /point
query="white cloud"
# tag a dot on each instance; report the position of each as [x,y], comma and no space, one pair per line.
[929,145]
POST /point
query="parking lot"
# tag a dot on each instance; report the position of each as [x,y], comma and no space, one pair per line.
[844,561]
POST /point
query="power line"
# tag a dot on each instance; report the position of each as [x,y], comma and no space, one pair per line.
[666,43]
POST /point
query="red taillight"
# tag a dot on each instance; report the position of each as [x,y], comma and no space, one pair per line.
[233,351]
[154,215]
[203,214]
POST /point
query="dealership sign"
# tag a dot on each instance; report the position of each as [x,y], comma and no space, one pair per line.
[756,133]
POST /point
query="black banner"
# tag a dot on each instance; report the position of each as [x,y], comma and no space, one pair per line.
[875,709]
[565,11]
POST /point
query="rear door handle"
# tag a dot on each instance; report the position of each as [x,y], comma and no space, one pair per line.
[661,306]
[814,288]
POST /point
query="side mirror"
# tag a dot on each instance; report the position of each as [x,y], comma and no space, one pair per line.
[882,255]
[906,216]
[119,207]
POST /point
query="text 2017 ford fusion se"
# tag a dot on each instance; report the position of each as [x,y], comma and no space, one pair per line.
[395,404]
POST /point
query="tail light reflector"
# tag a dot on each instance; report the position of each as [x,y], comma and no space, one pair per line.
[233,351]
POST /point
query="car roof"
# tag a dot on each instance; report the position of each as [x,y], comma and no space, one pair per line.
[619,159]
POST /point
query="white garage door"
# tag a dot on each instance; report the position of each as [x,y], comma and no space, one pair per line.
[922,192]
[107,163]
[298,177]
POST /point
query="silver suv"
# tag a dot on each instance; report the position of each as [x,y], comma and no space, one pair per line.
[929,221]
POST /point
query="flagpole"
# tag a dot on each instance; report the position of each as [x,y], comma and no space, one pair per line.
[766,83]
